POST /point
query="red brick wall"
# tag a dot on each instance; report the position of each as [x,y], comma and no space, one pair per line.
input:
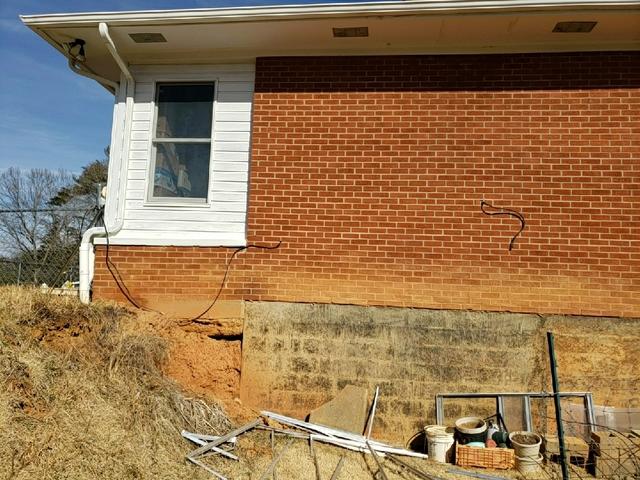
[172,273]
[371,171]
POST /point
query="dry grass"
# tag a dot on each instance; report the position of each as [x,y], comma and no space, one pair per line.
[82,394]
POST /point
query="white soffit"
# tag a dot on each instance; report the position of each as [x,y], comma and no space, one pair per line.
[409,27]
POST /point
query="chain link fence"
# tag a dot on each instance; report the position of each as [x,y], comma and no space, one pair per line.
[41,246]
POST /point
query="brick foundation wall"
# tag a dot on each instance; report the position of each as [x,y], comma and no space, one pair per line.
[371,170]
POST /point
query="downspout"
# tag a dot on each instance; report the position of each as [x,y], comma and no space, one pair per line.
[121,134]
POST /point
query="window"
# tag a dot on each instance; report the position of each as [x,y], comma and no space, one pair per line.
[182,142]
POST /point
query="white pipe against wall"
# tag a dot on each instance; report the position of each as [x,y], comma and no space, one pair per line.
[103,30]
[118,164]
[87,254]
[87,258]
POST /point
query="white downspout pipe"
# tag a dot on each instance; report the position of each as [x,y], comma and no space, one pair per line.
[87,260]
[119,167]
[103,30]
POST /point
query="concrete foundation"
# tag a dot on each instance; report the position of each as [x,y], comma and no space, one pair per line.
[298,356]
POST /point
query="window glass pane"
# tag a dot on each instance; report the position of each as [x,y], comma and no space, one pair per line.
[184,111]
[182,170]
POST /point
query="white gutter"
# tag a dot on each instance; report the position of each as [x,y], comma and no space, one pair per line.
[103,29]
[297,12]
[117,169]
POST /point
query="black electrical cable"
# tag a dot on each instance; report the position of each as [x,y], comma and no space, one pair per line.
[117,276]
[226,272]
[115,273]
[505,211]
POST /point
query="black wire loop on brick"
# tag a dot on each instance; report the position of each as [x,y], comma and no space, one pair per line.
[508,212]
[226,272]
[117,276]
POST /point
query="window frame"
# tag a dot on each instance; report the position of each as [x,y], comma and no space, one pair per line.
[150,199]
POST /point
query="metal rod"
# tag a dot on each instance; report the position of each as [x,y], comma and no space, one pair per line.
[291,433]
[500,408]
[483,476]
[526,409]
[315,459]
[590,414]
[336,472]
[373,413]
[275,461]
[439,410]
[509,394]
[223,439]
[556,402]
[375,457]
[411,468]
[498,395]
[273,452]
[207,468]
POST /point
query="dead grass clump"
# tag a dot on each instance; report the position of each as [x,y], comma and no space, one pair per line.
[82,394]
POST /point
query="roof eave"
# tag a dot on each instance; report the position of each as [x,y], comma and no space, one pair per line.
[293,12]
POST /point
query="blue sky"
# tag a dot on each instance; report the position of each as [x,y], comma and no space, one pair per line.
[49,116]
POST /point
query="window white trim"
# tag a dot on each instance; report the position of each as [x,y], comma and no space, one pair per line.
[150,200]
[222,221]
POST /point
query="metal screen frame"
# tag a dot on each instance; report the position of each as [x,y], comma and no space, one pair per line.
[587,399]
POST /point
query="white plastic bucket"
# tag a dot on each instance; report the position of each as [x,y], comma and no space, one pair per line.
[529,464]
[439,443]
[525,450]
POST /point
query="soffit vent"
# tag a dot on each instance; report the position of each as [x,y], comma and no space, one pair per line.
[147,37]
[343,32]
[574,27]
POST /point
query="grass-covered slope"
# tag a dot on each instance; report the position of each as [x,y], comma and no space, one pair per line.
[82,394]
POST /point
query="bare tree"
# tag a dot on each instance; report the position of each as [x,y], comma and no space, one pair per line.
[30,229]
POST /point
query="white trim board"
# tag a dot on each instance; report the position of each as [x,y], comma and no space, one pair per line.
[221,221]
[291,12]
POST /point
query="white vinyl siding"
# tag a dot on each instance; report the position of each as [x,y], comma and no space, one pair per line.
[222,219]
